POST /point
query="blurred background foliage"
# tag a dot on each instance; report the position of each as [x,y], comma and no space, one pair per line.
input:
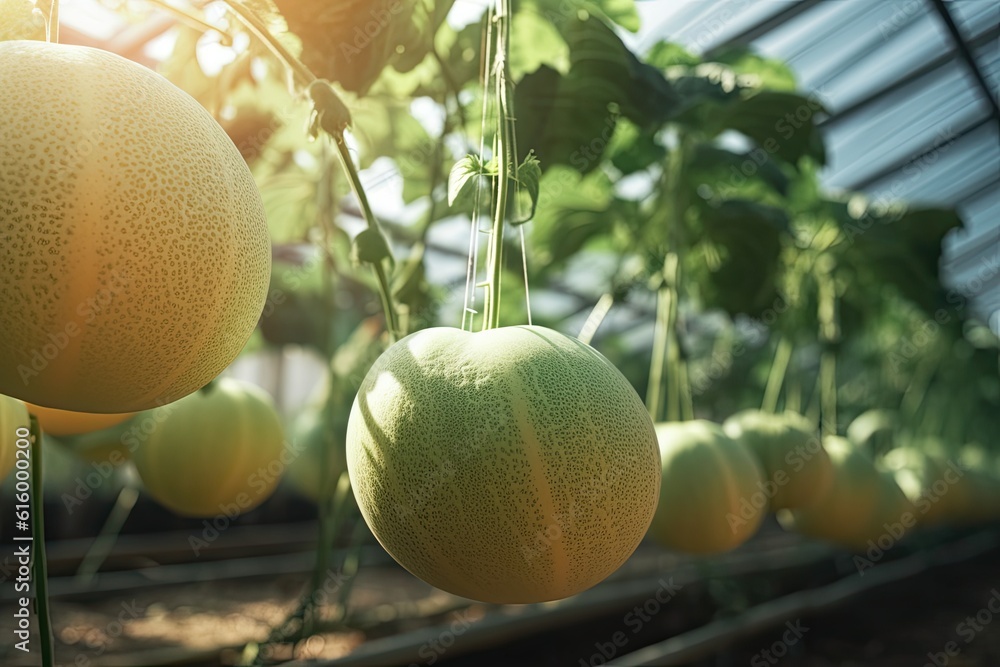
[683,187]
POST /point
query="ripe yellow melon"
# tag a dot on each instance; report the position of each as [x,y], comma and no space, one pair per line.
[512,465]
[863,504]
[13,416]
[134,255]
[789,448]
[217,451]
[707,491]
[66,422]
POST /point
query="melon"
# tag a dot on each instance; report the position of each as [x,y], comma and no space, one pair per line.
[707,492]
[107,445]
[66,422]
[789,448]
[13,416]
[134,251]
[318,443]
[933,484]
[511,465]
[861,505]
[217,451]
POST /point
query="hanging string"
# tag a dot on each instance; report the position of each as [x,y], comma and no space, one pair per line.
[472,270]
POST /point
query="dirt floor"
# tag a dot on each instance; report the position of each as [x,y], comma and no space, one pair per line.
[942,617]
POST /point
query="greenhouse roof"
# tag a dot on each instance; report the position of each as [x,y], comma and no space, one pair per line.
[911,88]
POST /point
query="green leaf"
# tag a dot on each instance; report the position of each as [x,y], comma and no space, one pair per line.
[351,42]
[330,112]
[728,173]
[570,118]
[558,12]
[744,238]
[667,54]
[783,124]
[462,171]
[757,71]
[369,247]
[529,174]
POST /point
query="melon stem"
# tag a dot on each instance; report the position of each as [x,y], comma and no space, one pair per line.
[504,162]
[301,71]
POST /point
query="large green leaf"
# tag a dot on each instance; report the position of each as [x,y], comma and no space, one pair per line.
[570,118]
[782,123]
[745,239]
[352,41]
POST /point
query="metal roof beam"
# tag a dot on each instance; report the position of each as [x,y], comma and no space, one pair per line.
[918,73]
[757,31]
[933,147]
[967,55]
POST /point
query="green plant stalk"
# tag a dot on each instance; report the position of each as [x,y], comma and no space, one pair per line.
[658,361]
[687,401]
[793,396]
[776,376]
[306,77]
[106,538]
[193,21]
[39,564]
[828,392]
[261,32]
[504,147]
[53,31]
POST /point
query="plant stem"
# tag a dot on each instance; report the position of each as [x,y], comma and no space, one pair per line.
[658,361]
[779,368]
[261,32]
[53,32]
[105,540]
[504,162]
[306,77]
[596,317]
[39,564]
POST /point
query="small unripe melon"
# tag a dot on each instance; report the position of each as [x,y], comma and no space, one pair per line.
[134,255]
[66,422]
[512,465]
[219,448]
[707,492]
[789,448]
[13,417]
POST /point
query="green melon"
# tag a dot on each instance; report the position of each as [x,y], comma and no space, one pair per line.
[707,490]
[512,465]
[219,448]
[789,448]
